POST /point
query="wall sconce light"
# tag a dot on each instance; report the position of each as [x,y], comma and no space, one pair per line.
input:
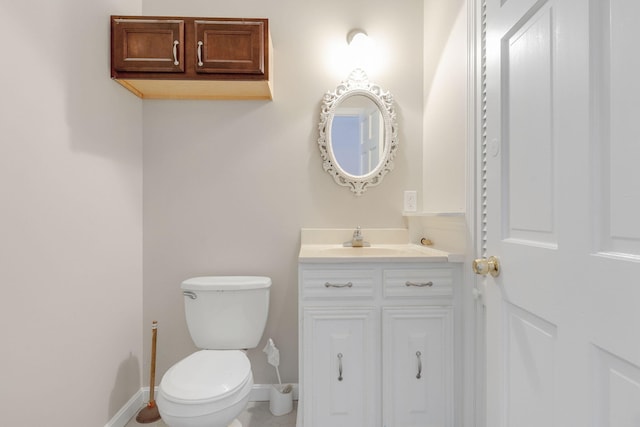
[357,36]
[361,49]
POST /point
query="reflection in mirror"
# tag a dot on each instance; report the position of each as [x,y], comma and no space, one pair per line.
[358,133]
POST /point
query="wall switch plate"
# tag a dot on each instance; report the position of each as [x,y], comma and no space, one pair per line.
[410,201]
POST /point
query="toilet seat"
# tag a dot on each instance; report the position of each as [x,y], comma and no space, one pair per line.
[205,382]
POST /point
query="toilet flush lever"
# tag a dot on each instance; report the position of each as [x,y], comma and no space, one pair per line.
[190,294]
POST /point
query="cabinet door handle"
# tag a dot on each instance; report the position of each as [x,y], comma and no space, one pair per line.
[338,285]
[339,366]
[418,355]
[175,52]
[200,64]
[419,285]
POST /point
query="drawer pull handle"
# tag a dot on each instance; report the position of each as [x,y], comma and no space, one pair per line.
[418,354]
[339,366]
[338,285]
[175,52]
[200,64]
[419,285]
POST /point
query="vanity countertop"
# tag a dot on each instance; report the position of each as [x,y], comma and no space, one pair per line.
[386,245]
[330,253]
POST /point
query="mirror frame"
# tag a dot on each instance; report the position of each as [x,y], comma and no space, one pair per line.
[358,84]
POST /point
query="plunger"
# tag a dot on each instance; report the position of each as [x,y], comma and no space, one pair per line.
[150,413]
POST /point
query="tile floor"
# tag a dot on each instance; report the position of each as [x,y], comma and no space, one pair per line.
[257,414]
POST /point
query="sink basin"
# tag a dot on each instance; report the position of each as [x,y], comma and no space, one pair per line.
[342,253]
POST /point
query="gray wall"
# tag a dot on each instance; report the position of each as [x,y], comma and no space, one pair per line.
[70,218]
[229,184]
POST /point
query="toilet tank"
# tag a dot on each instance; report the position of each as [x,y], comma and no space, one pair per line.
[226,312]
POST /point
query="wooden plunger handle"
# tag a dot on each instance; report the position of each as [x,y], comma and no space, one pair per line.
[152,373]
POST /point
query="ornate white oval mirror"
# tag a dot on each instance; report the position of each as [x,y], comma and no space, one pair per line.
[358,133]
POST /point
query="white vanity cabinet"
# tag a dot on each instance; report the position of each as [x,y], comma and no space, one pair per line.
[377,343]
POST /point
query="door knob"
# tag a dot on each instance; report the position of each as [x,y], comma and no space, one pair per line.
[484,266]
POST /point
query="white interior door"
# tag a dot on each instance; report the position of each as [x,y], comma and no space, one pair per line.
[562,175]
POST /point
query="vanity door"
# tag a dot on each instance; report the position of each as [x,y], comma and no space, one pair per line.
[341,367]
[417,364]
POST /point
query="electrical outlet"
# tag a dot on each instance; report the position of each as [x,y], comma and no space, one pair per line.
[410,201]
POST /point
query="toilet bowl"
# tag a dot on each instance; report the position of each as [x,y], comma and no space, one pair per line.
[209,388]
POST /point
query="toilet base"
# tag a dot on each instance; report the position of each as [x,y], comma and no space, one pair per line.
[216,419]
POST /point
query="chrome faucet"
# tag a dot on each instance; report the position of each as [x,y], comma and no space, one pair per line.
[357,241]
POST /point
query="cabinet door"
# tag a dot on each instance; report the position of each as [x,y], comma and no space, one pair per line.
[417,367]
[147,45]
[341,367]
[230,47]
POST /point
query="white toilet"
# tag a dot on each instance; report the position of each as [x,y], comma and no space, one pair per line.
[210,388]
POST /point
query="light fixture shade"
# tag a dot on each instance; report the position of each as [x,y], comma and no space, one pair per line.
[356,36]
[361,49]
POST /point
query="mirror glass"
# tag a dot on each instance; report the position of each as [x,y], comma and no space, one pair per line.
[358,135]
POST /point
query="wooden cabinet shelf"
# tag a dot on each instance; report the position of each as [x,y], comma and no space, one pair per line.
[192,58]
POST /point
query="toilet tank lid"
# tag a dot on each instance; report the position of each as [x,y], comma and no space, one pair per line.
[226,283]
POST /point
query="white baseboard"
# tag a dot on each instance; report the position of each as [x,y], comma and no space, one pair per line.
[259,393]
[129,410]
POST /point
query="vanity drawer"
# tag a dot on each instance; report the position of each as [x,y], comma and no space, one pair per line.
[338,283]
[416,283]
